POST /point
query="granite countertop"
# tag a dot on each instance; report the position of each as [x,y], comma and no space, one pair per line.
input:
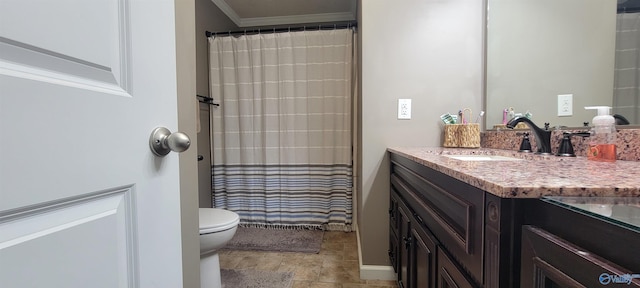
[536,176]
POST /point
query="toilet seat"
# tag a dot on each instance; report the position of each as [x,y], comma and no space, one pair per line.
[215,220]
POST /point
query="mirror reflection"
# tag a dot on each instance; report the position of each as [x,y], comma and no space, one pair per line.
[554,57]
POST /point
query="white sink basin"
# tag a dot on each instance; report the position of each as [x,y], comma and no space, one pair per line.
[482,158]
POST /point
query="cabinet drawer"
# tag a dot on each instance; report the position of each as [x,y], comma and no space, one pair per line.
[451,209]
[449,275]
[550,261]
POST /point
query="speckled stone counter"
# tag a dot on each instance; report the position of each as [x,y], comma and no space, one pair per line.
[535,176]
[628,141]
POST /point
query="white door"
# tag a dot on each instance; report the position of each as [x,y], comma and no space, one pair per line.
[83,201]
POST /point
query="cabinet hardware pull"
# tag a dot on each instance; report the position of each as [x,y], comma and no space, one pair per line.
[407,242]
[418,218]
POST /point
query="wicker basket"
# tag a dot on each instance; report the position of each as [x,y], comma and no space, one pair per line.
[462,135]
[451,135]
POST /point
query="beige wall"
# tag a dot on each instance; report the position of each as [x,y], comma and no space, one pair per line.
[185,65]
[208,18]
[204,166]
[540,49]
[430,52]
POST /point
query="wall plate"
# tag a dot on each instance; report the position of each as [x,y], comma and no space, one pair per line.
[404,109]
[565,105]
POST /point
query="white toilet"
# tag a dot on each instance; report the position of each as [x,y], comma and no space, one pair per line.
[217,227]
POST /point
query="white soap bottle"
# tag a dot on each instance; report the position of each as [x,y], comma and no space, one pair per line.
[602,142]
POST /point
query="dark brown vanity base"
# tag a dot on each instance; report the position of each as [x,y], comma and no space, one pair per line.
[447,233]
[565,247]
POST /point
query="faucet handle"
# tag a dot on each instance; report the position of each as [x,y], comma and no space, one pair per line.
[546,125]
[525,145]
[566,148]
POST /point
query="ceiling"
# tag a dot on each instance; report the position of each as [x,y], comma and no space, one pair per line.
[251,13]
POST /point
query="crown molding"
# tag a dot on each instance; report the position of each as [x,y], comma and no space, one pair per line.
[227,10]
[293,19]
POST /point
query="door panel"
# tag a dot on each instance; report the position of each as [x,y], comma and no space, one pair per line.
[62,91]
[423,254]
[34,42]
[40,241]
[83,84]
[449,274]
[404,250]
[40,23]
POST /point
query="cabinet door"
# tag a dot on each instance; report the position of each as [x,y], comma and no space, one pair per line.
[393,230]
[422,254]
[403,252]
[393,251]
[449,275]
[550,261]
[393,211]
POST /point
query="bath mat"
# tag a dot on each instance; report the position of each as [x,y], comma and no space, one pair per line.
[255,279]
[305,241]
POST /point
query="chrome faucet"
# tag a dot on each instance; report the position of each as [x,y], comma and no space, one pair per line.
[543,137]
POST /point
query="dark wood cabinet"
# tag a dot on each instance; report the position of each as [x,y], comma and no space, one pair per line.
[550,261]
[429,219]
[423,257]
[564,247]
[416,249]
[393,232]
[449,275]
[393,251]
[447,233]
[403,251]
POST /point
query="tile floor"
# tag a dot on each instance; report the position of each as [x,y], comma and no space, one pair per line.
[336,266]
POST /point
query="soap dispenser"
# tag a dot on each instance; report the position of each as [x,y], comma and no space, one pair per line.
[602,142]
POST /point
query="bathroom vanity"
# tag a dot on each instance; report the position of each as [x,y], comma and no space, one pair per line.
[494,219]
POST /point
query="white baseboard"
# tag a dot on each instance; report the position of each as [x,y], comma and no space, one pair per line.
[377,272]
[373,272]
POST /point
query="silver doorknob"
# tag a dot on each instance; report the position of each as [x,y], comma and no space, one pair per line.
[162,141]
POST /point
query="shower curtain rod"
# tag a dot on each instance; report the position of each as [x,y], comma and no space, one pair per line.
[283,29]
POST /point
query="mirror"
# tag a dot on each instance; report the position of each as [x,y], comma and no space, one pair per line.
[539,49]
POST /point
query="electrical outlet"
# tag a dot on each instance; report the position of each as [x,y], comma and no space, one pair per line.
[565,105]
[404,109]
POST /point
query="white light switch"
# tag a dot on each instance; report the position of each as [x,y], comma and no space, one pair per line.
[565,105]
[404,108]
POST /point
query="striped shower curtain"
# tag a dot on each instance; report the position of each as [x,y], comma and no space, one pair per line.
[281,137]
[626,90]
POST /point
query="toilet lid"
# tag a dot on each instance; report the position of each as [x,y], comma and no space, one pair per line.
[214,219]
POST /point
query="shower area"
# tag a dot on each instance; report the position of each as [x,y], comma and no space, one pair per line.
[279,118]
[626,96]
